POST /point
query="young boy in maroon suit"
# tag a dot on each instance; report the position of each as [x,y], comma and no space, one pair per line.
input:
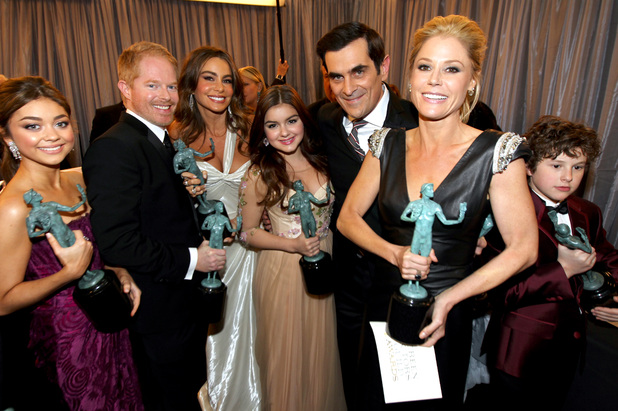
[537,330]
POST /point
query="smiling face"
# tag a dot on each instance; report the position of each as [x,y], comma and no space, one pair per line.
[283,128]
[214,86]
[42,132]
[354,80]
[154,93]
[558,178]
[440,78]
[250,90]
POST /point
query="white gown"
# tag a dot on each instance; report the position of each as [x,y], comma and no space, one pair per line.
[233,374]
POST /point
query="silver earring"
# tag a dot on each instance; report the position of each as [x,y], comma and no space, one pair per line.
[14,150]
[191,102]
[409,88]
[266,143]
[471,92]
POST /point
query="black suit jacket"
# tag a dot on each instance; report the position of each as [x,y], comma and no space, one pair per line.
[143,220]
[344,165]
[483,118]
[343,162]
[104,118]
[315,107]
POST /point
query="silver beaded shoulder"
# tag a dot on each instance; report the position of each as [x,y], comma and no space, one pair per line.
[504,149]
[376,141]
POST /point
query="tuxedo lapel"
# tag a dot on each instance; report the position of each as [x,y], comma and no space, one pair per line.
[396,114]
[578,218]
[145,132]
[545,225]
[154,140]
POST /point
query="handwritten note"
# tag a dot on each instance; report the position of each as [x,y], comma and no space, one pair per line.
[409,372]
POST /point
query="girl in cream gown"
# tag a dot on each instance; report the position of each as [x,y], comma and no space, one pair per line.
[296,343]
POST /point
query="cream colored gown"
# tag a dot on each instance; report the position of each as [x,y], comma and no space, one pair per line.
[296,344]
[233,376]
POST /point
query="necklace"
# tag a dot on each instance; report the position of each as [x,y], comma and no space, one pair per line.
[213,134]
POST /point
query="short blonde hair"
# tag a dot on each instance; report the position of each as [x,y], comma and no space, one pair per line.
[470,35]
[128,62]
[254,74]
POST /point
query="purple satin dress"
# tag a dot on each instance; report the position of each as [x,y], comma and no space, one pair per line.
[94,370]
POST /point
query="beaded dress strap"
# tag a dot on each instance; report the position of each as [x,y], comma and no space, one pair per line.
[503,151]
[376,141]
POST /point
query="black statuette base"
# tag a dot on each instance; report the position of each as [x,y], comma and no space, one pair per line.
[105,305]
[212,301]
[319,275]
[602,296]
[406,317]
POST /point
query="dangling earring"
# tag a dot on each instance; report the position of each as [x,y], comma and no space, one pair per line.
[259,94]
[14,150]
[266,143]
[409,88]
[191,102]
[471,92]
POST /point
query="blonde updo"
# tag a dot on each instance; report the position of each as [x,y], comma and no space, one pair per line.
[471,37]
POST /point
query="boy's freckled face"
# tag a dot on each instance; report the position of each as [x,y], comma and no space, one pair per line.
[558,178]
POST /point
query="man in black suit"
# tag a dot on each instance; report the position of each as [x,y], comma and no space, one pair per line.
[353,55]
[104,118]
[329,97]
[143,219]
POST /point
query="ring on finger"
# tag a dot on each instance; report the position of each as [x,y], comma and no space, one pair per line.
[418,275]
[86,238]
[193,190]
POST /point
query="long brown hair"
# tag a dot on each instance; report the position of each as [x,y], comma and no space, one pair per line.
[190,123]
[267,158]
[14,94]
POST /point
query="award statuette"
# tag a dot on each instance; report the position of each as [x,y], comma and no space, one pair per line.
[317,270]
[409,305]
[184,160]
[98,293]
[212,289]
[599,286]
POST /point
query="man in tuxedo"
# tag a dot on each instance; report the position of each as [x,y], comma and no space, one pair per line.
[357,65]
[144,220]
[104,118]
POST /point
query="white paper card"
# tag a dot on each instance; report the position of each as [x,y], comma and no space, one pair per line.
[409,372]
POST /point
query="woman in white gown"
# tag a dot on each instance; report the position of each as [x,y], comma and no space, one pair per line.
[211,107]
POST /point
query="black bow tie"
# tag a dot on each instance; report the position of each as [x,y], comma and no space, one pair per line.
[561,208]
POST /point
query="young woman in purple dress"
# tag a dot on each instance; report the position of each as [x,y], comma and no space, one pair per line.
[93,370]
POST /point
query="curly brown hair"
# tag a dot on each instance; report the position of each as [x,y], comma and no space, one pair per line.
[268,159]
[190,123]
[551,136]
